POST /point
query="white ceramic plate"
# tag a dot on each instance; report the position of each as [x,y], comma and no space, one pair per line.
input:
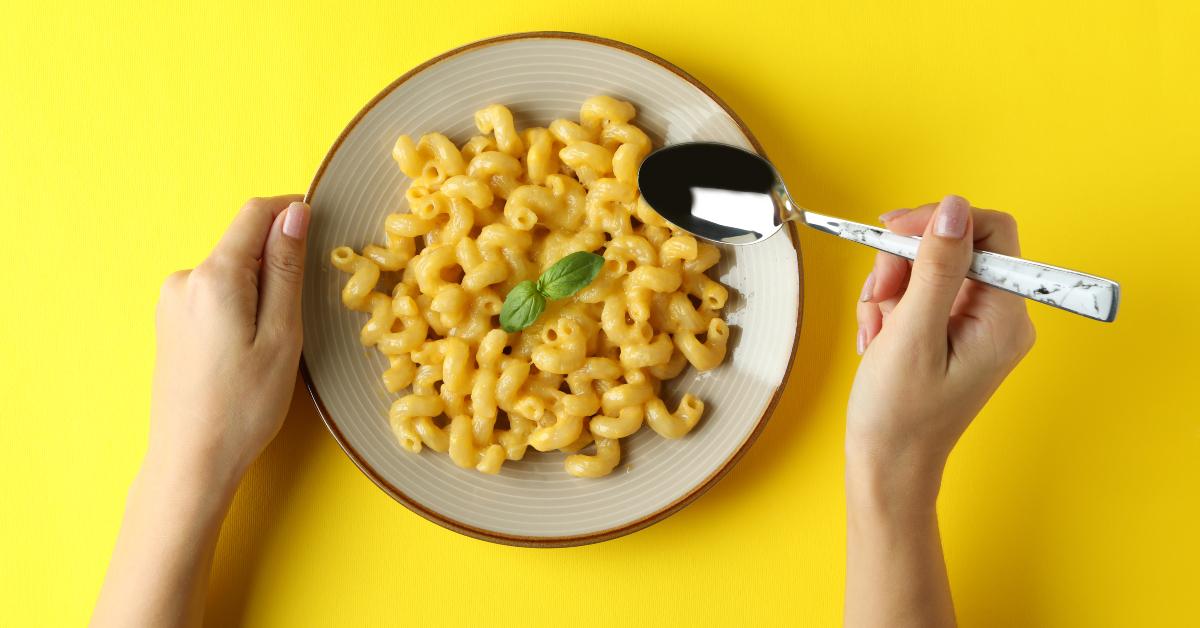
[540,76]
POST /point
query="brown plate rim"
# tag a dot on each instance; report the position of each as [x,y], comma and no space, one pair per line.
[602,535]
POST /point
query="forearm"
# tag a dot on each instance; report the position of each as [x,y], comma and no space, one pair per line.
[160,566]
[895,572]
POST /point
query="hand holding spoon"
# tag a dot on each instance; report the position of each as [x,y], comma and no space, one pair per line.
[728,195]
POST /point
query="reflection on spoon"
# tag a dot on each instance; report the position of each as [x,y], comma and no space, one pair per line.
[751,212]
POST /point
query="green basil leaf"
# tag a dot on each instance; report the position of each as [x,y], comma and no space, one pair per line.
[569,275]
[522,306]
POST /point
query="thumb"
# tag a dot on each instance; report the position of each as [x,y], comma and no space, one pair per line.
[941,265]
[282,275]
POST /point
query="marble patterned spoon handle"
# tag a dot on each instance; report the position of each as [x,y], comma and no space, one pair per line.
[1086,295]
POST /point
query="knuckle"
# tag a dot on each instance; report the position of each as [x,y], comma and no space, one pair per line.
[1026,336]
[1016,342]
[1005,223]
[940,271]
[255,202]
[211,270]
[212,274]
[286,263]
[1002,223]
[276,332]
[282,335]
[221,273]
[173,281]
[172,285]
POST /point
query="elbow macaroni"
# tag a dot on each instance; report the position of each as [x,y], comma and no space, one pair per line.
[496,212]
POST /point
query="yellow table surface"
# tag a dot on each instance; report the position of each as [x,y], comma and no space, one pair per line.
[132,134]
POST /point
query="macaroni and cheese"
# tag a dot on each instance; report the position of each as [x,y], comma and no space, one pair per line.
[497,211]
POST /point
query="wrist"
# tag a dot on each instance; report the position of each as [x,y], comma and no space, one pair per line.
[191,476]
[898,483]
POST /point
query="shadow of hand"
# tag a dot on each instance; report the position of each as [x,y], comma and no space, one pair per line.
[260,501]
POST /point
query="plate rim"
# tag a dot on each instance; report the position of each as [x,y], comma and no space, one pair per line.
[700,487]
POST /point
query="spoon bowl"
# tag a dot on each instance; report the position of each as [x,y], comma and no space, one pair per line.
[715,191]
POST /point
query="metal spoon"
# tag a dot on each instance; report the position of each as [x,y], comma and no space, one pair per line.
[728,195]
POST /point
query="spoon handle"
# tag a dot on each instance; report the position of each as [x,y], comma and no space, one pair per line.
[1086,295]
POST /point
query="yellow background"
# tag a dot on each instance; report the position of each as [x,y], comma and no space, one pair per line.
[131,134]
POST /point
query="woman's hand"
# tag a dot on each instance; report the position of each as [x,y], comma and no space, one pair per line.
[935,347]
[229,337]
[228,347]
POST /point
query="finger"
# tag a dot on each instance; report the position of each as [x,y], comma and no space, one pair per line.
[176,279]
[994,231]
[909,221]
[244,238]
[870,321]
[171,290]
[889,277]
[991,230]
[281,275]
[868,290]
[1006,318]
[940,268]
[886,307]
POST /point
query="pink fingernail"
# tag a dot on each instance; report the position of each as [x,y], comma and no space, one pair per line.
[295,223]
[952,215]
[894,214]
[868,289]
[862,340]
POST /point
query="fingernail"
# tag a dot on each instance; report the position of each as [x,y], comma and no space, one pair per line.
[894,214]
[295,223]
[862,340]
[952,217]
[868,290]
